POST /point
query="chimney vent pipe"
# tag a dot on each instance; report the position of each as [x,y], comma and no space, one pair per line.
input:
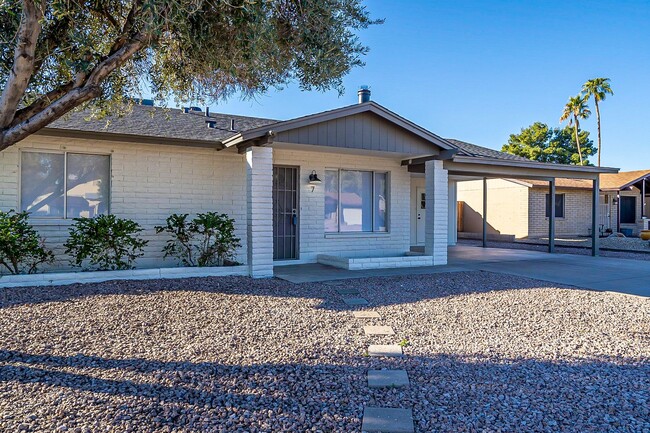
[364,94]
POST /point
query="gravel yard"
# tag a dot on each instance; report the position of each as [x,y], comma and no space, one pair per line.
[488,352]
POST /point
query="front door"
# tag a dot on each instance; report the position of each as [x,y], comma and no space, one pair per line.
[285,212]
[420,208]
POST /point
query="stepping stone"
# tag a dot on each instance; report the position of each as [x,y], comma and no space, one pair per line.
[355,301]
[387,420]
[366,314]
[385,350]
[387,378]
[378,330]
[347,291]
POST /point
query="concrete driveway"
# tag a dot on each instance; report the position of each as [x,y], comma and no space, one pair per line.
[598,273]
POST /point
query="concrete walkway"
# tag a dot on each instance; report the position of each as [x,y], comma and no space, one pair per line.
[597,273]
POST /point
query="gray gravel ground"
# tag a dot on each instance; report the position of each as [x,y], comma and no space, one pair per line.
[558,248]
[487,353]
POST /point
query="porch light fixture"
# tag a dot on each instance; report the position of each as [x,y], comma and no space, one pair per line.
[313,178]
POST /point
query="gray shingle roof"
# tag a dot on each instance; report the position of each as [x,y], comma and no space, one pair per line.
[480,151]
[170,123]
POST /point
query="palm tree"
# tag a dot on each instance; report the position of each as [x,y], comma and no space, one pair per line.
[598,88]
[574,110]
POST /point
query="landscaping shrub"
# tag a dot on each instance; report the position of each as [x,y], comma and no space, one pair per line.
[207,240]
[22,250]
[106,242]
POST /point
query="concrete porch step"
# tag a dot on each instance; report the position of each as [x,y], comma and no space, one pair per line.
[368,314]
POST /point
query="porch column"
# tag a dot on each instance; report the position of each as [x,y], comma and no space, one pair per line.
[595,238]
[618,211]
[436,225]
[259,198]
[643,211]
[485,212]
[551,219]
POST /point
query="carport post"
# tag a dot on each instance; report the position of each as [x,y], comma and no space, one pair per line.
[485,212]
[595,238]
[551,217]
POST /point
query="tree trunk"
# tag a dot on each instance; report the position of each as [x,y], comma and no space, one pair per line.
[575,124]
[23,64]
[598,121]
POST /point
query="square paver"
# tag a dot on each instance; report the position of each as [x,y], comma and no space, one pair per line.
[356,301]
[378,330]
[387,420]
[366,314]
[387,378]
[347,291]
[385,350]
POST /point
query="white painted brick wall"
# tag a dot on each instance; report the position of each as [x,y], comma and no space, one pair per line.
[313,240]
[148,183]
[259,192]
[437,213]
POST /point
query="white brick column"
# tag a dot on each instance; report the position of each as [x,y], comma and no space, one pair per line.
[259,198]
[437,212]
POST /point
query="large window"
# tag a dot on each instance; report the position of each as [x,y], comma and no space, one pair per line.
[64,185]
[559,205]
[356,201]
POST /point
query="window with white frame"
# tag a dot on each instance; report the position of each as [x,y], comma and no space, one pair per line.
[64,185]
[356,201]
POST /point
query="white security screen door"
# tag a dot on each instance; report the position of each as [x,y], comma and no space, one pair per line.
[420,207]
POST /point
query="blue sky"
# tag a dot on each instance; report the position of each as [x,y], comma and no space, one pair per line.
[481,70]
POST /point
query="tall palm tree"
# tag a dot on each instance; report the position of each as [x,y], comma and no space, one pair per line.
[598,88]
[574,110]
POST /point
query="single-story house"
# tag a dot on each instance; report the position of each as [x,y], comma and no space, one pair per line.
[355,187]
[521,207]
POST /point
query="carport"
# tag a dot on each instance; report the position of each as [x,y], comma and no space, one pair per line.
[479,163]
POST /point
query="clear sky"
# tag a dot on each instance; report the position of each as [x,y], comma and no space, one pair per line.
[481,70]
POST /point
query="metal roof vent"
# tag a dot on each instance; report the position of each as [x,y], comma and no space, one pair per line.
[232,125]
[195,109]
[364,94]
[211,123]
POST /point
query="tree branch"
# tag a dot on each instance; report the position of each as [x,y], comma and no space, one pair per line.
[74,98]
[23,66]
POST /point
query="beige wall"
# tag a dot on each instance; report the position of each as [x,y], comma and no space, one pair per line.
[634,192]
[148,183]
[507,207]
[577,213]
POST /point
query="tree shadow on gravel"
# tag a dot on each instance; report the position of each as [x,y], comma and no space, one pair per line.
[379,290]
[447,393]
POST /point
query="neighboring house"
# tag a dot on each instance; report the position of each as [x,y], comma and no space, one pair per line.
[521,207]
[387,183]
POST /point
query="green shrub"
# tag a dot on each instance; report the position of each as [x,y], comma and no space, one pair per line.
[207,240]
[106,242]
[21,248]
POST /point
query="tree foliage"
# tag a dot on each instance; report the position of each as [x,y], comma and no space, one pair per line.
[597,88]
[574,110]
[60,55]
[21,248]
[539,142]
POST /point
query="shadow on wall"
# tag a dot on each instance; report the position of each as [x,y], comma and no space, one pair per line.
[473,221]
[446,392]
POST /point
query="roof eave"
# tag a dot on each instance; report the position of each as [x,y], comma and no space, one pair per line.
[532,164]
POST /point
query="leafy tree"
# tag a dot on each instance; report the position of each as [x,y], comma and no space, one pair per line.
[21,248]
[598,88]
[539,142]
[574,110]
[57,56]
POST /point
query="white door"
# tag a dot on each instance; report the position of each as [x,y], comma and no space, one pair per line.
[420,207]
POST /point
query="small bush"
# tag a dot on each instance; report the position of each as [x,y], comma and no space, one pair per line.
[207,240]
[22,250]
[106,242]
